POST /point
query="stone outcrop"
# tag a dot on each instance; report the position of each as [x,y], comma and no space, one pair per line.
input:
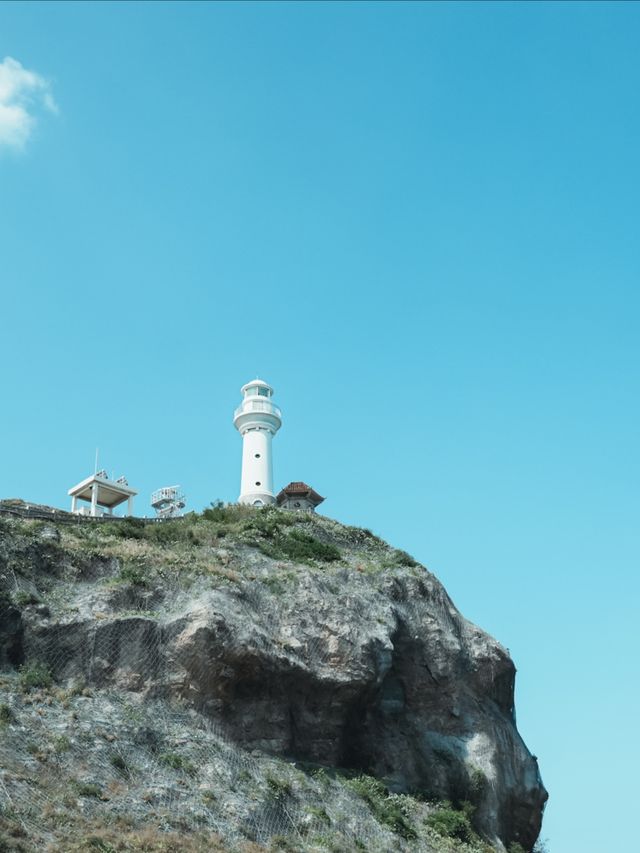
[357,661]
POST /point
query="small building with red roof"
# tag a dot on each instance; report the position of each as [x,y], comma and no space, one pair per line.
[298,496]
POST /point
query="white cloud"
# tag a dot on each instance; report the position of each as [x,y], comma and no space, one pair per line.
[22,94]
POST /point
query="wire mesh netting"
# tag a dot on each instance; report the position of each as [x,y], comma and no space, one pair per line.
[122,701]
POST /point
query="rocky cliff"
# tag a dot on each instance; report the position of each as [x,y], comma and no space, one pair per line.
[248,679]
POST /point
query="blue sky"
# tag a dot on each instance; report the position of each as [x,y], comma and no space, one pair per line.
[420,224]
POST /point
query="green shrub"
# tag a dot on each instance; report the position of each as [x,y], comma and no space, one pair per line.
[361,534]
[386,809]
[61,744]
[321,776]
[333,844]
[172,530]
[162,532]
[477,784]
[128,528]
[280,788]
[118,762]
[94,842]
[177,762]
[226,513]
[302,547]
[23,599]
[216,511]
[187,528]
[11,831]
[88,789]
[402,558]
[319,813]
[452,823]
[515,847]
[6,714]
[133,575]
[283,844]
[35,674]
[267,522]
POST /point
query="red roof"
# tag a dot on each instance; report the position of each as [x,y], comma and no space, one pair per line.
[299,489]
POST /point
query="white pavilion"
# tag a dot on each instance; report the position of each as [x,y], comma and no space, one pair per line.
[102,494]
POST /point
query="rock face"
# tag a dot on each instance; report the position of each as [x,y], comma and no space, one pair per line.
[355,658]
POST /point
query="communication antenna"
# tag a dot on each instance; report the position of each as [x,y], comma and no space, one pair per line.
[168,502]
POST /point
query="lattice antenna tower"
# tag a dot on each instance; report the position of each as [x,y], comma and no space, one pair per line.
[168,502]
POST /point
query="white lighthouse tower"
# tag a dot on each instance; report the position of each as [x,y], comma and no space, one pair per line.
[257,420]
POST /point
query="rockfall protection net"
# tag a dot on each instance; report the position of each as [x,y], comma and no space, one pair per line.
[91,731]
[92,746]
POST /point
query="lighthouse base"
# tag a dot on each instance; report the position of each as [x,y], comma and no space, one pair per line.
[257,499]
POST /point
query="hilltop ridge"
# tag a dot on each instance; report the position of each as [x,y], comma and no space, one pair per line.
[248,677]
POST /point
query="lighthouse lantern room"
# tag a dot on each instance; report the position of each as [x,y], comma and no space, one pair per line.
[257,420]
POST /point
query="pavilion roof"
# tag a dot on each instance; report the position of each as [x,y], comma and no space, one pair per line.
[299,489]
[111,493]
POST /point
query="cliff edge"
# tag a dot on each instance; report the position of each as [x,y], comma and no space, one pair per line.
[250,679]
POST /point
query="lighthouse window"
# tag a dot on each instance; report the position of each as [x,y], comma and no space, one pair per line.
[257,456]
[258,483]
[263,392]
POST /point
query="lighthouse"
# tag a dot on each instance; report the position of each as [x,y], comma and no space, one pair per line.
[257,420]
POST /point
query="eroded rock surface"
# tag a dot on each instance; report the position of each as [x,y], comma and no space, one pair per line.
[359,662]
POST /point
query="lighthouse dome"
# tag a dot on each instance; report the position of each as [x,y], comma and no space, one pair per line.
[257,387]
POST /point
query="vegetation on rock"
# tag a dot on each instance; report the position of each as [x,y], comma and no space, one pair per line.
[246,680]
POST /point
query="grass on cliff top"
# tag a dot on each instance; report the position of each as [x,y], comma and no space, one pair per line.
[206,528]
[273,531]
[208,544]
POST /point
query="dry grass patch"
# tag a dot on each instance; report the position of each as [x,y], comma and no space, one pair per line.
[101,839]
